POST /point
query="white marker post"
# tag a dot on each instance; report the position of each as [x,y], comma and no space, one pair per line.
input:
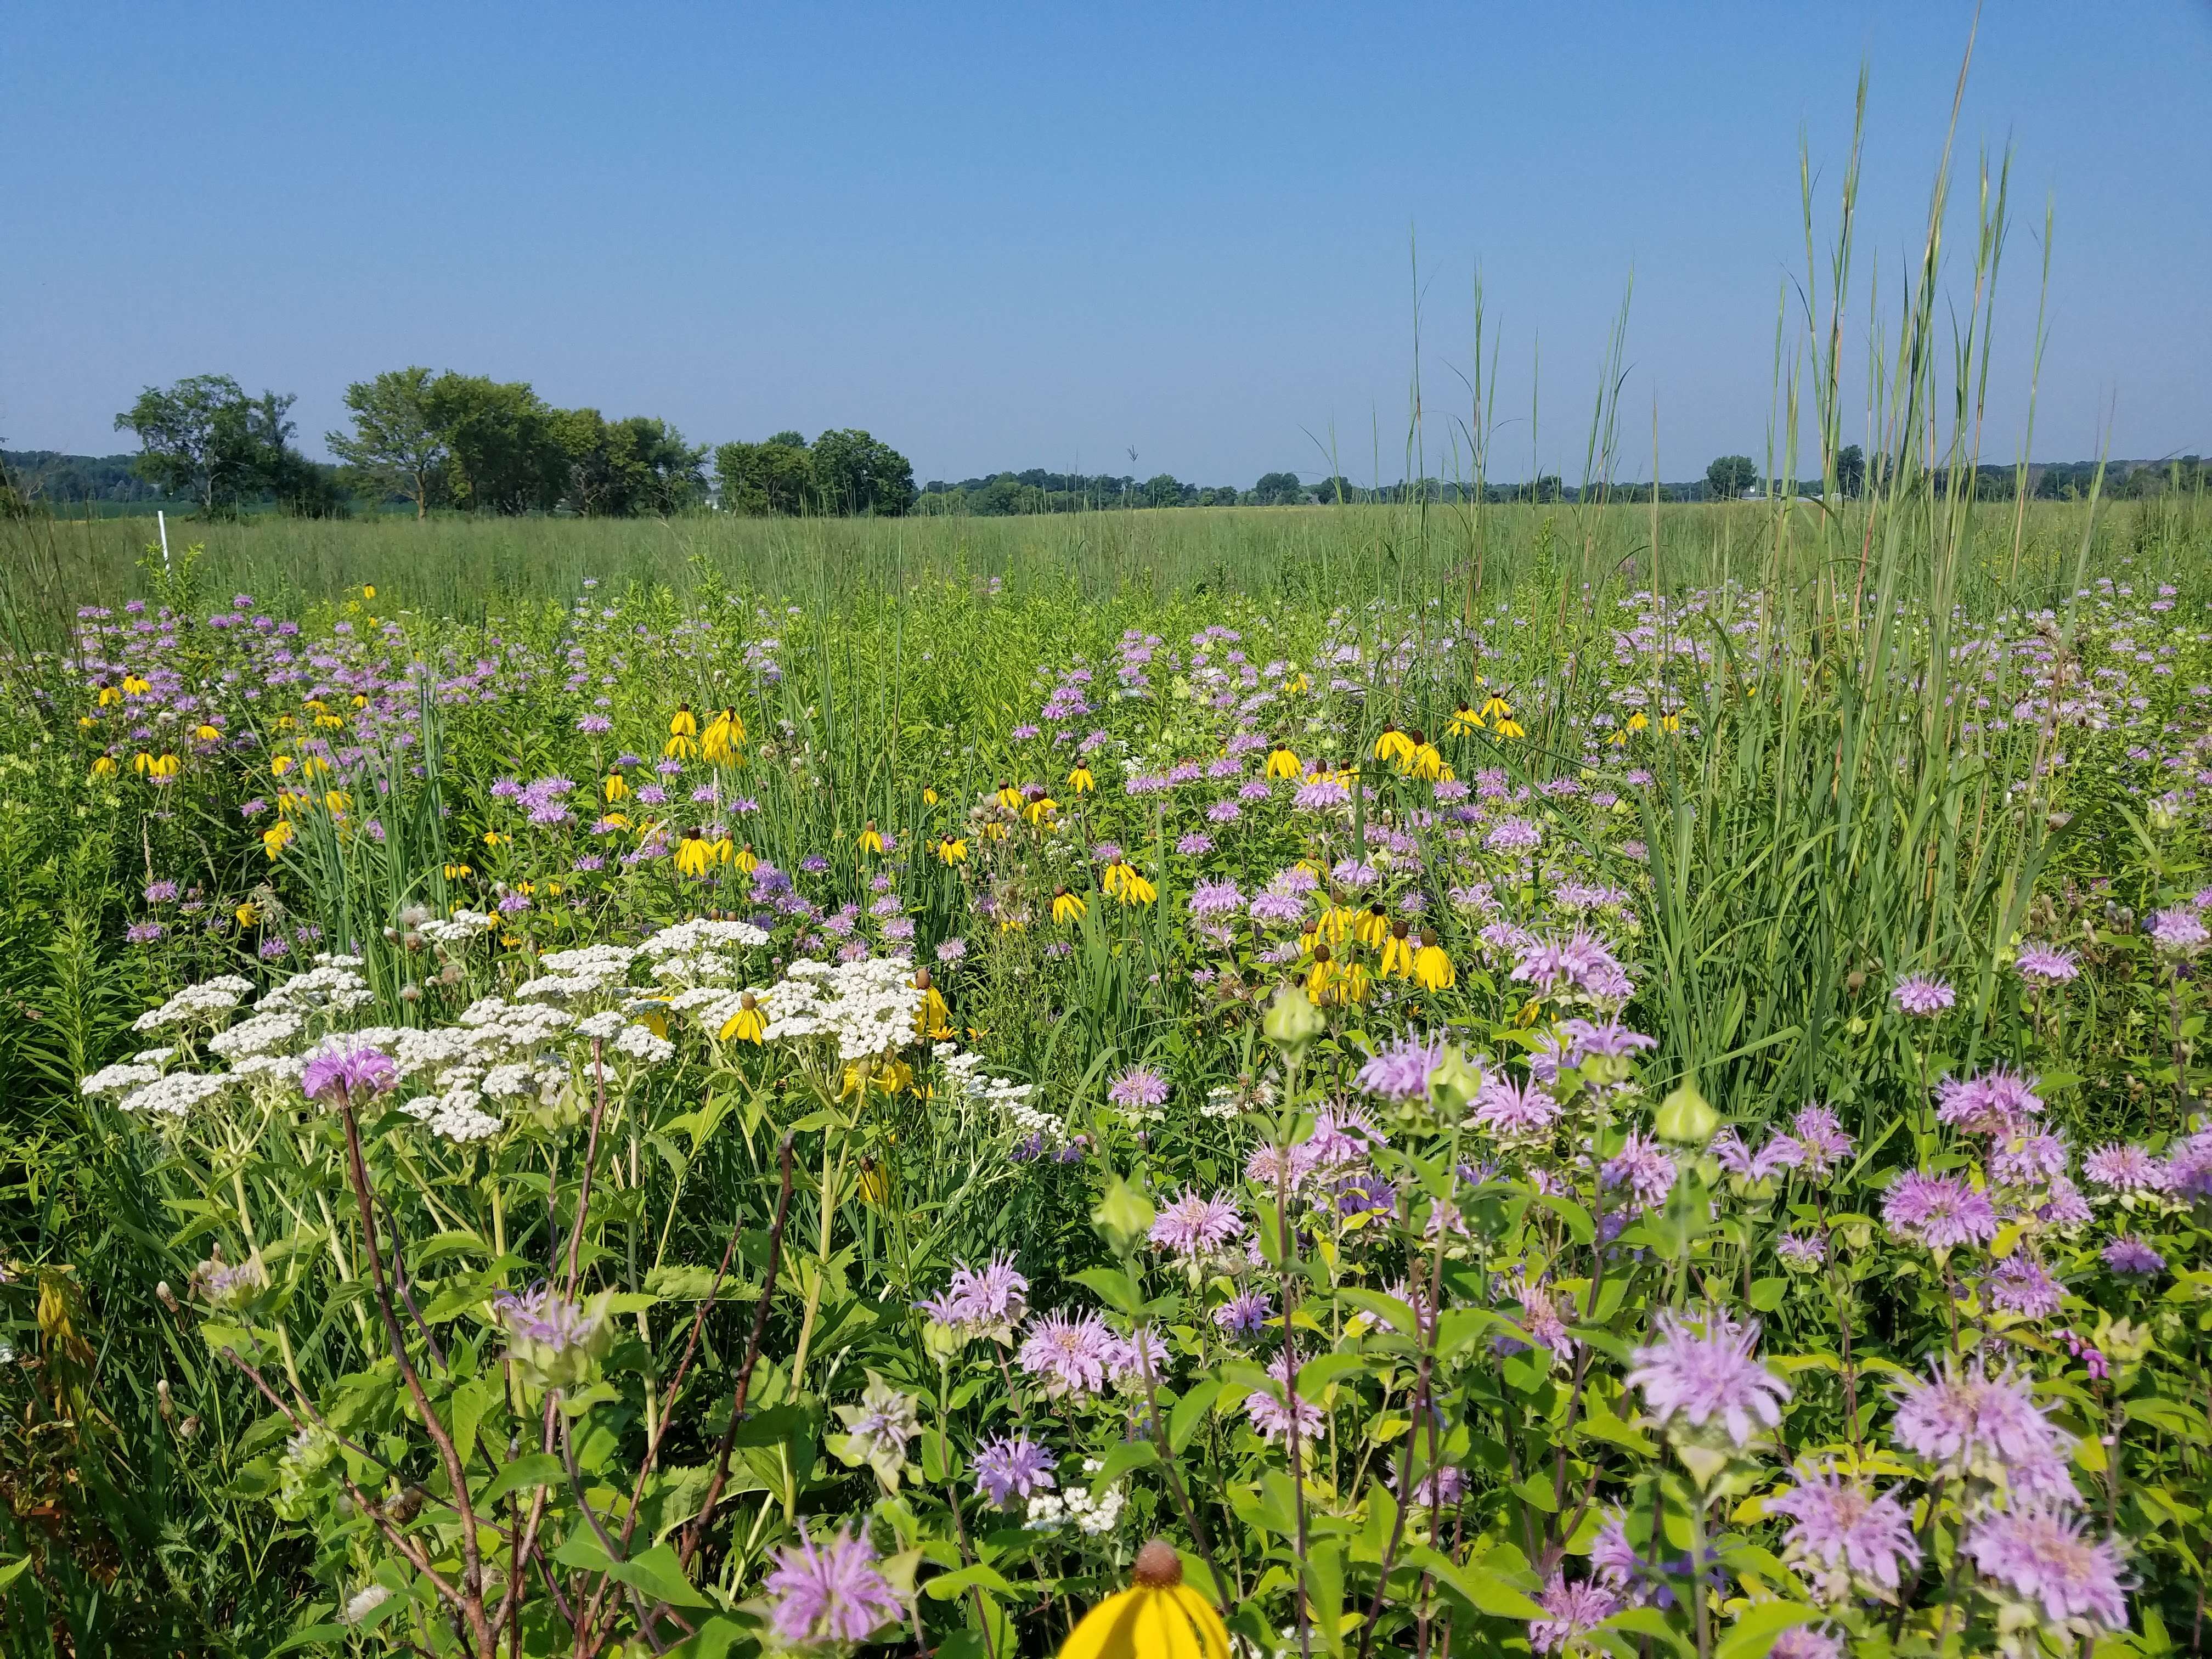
[162,520]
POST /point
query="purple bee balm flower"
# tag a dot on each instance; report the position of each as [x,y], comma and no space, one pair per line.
[2029,1160]
[1807,1641]
[2021,1286]
[2131,1255]
[1801,1251]
[1511,1111]
[1216,898]
[1245,1315]
[2046,964]
[2127,1170]
[1340,1137]
[1922,995]
[1140,1085]
[1273,1168]
[1968,1421]
[1269,1413]
[998,1294]
[2039,1555]
[1400,1072]
[543,1316]
[161,892]
[143,932]
[951,950]
[1937,1211]
[1013,1467]
[1707,1372]
[1275,906]
[1572,1611]
[1226,811]
[1644,1167]
[1071,1355]
[1840,1526]
[1190,1227]
[2188,1166]
[343,1072]
[1997,1103]
[1194,845]
[2178,931]
[1319,794]
[1513,835]
[830,1593]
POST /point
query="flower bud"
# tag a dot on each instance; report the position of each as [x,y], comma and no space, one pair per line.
[1292,1022]
[1452,1083]
[1123,1217]
[1685,1118]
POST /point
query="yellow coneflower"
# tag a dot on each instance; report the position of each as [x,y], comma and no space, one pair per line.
[1041,809]
[616,787]
[994,830]
[1352,986]
[1670,723]
[110,695]
[618,820]
[952,850]
[1068,907]
[337,802]
[1531,1012]
[359,701]
[725,850]
[872,839]
[875,1184]
[695,854]
[1135,889]
[104,767]
[136,686]
[164,765]
[928,797]
[1298,683]
[1159,1617]
[718,743]
[277,837]
[1321,978]
[1079,780]
[1638,721]
[493,838]
[1393,744]
[1495,708]
[313,766]
[86,722]
[1282,761]
[1464,720]
[459,871]
[656,1019]
[1373,926]
[1008,796]
[286,723]
[1510,728]
[1337,921]
[683,723]
[329,722]
[746,860]
[248,915]
[369,590]
[1433,969]
[1397,954]
[748,1024]
[1427,761]
[933,1019]
[206,733]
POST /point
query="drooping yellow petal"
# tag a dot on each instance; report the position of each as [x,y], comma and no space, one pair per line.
[1106,1630]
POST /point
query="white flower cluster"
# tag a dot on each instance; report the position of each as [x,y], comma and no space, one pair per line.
[261,1035]
[456,929]
[867,1008]
[114,1080]
[964,1073]
[202,1004]
[1094,1516]
[332,987]
[692,952]
[175,1094]
[591,970]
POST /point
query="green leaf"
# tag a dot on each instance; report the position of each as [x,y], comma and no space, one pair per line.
[1766,1293]
[1116,1288]
[1754,1633]
[714,1641]
[947,1585]
[1476,1585]
[15,1569]
[531,1469]
[1191,1412]
[1129,1455]
[656,1574]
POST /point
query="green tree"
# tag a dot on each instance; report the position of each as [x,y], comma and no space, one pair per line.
[855,474]
[195,441]
[1275,489]
[620,469]
[770,479]
[397,445]
[1729,477]
[1850,470]
[1162,489]
[504,455]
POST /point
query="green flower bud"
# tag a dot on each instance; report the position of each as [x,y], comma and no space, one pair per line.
[1685,1118]
[1292,1022]
[1123,1217]
[1452,1083]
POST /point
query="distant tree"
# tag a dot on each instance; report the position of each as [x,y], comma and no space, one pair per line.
[195,441]
[772,478]
[1162,489]
[853,473]
[397,445]
[1850,470]
[1275,488]
[787,437]
[1729,477]
[1335,489]
[504,455]
[622,469]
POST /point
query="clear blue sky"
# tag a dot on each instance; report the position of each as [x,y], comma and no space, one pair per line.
[1039,235]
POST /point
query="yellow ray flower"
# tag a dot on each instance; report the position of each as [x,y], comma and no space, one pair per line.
[1282,761]
[1433,969]
[1393,744]
[1079,780]
[1008,796]
[1496,707]
[1397,954]
[952,850]
[616,787]
[1159,1617]
[1463,721]
[872,839]
[1068,907]
[683,723]
[694,855]
[748,1024]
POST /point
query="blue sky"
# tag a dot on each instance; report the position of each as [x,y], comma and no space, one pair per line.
[1039,236]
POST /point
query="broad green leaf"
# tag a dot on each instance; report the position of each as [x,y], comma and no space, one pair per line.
[656,1573]
[1756,1632]
[1477,1584]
